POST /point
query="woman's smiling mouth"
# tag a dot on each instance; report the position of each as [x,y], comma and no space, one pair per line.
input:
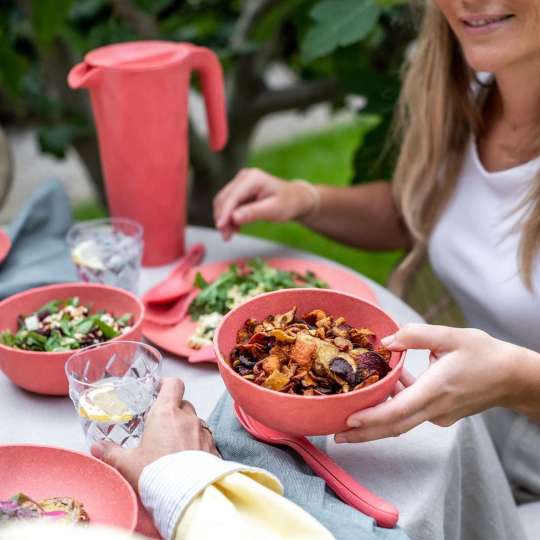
[484,24]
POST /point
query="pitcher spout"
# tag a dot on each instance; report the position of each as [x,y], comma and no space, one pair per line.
[83,76]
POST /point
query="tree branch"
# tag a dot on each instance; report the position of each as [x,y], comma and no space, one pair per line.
[299,96]
[253,11]
[203,160]
[144,24]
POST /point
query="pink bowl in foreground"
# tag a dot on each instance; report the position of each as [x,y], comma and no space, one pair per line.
[304,415]
[43,372]
[42,472]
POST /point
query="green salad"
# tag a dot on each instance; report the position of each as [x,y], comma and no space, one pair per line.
[63,325]
[234,286]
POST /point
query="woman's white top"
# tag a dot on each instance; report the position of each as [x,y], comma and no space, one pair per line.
[473,250]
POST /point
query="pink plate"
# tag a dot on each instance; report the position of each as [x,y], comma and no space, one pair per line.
[174,339]
[45,471]
[5,245]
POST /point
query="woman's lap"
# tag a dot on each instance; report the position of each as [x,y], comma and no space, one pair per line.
[517,441]
[447,482]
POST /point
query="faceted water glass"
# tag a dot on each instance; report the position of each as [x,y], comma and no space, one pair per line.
[112,386]
[107,251]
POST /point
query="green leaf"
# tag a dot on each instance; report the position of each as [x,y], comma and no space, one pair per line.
[257,264]
[52,307]
[338,23]
[65,325]
[75,302]
[200,282]
[108,331]
[48,19]
[86,326]
[36,338]
[7,338]
[125,319]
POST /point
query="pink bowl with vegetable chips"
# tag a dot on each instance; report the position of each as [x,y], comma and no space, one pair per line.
[43,472]
[296,414]
[43,372]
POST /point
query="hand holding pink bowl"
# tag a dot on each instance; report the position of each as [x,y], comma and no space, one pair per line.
[43,372]
[291,413]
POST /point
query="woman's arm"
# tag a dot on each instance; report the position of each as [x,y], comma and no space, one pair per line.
[362,216]
[524,383]
[469,372]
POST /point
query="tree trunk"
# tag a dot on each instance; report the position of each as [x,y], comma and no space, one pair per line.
[205,183]
[6,168]
[88,151]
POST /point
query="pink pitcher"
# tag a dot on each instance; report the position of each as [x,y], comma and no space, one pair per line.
[139,94]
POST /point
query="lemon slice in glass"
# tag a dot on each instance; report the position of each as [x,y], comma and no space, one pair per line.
[88,254]
[103,405]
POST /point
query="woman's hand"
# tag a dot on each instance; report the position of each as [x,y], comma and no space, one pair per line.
[254,194]
[469,372]
[171,426]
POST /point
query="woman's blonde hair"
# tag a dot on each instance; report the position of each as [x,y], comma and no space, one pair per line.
[438,110]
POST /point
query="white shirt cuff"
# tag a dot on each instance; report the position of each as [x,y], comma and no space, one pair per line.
[167,486]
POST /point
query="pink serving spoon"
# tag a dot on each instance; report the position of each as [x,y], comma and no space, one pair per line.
[179,282]
[343,485]
[167,303]
[170,314]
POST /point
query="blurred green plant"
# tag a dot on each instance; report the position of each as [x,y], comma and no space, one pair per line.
[334,48]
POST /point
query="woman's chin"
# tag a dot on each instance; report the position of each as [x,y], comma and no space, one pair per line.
[485,61]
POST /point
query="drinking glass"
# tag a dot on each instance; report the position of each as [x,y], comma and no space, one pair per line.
[112,386]
[107,251]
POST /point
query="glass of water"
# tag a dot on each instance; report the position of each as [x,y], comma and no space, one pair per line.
[107,251]
[113,385]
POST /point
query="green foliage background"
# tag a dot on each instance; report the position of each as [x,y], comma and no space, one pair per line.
[355,45]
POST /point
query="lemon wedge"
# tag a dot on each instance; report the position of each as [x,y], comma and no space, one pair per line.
[103,405]
[88,254]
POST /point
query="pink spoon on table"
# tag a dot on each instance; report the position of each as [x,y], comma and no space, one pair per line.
[343,485]
[170,314]
[179,282]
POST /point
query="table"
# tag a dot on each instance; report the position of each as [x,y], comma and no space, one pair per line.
[421,472]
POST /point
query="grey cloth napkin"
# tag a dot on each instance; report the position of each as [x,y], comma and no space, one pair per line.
[39,254]
[302,486]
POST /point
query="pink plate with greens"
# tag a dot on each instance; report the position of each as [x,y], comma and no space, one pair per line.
[175,338]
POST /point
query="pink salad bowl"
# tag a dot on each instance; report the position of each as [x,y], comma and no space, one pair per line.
[43,372]
[304,415]
[44,472]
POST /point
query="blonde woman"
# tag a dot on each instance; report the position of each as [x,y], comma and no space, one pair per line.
[467,189]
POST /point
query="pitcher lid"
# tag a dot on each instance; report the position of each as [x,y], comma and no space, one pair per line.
[137,54]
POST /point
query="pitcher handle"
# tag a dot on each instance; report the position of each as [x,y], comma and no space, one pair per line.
[207,64]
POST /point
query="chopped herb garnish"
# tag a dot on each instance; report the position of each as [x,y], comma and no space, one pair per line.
[242,282]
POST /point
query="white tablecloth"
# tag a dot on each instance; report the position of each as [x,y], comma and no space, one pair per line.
[447,483]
